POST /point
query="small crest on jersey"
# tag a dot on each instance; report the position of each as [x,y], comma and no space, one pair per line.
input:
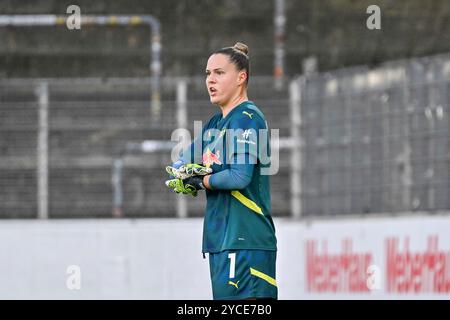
[246,134]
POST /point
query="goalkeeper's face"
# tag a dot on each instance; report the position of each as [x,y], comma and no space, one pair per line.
[223,81]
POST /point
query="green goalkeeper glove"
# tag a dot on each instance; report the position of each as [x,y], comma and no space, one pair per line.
[188,170]
[189,185]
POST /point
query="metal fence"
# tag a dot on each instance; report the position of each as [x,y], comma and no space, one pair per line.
[355,141]
[61,138]
[376,141]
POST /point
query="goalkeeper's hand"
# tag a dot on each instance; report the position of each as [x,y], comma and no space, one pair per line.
[188,170]
[189,185]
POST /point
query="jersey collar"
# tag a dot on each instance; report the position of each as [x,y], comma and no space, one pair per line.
[238,107]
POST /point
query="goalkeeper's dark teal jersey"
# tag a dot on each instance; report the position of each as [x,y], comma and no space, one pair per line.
[238,219]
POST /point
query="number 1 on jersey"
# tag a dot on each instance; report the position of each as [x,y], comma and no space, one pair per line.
[232,257]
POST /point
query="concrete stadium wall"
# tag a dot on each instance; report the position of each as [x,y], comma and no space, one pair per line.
[334,31]
[398,258]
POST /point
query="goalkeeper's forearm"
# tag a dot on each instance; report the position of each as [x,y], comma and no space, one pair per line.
[237,177]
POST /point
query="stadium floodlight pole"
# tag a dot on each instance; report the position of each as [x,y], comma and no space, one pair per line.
[108,20]
[295,96]
[42,151]
[279,37]
[182,120]
[116,180]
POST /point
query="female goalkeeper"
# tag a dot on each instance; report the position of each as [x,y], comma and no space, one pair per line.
[238,231]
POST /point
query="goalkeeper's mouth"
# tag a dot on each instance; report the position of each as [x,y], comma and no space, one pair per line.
[212,91]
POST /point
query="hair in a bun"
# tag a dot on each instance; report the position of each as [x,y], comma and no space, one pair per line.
[242,47]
